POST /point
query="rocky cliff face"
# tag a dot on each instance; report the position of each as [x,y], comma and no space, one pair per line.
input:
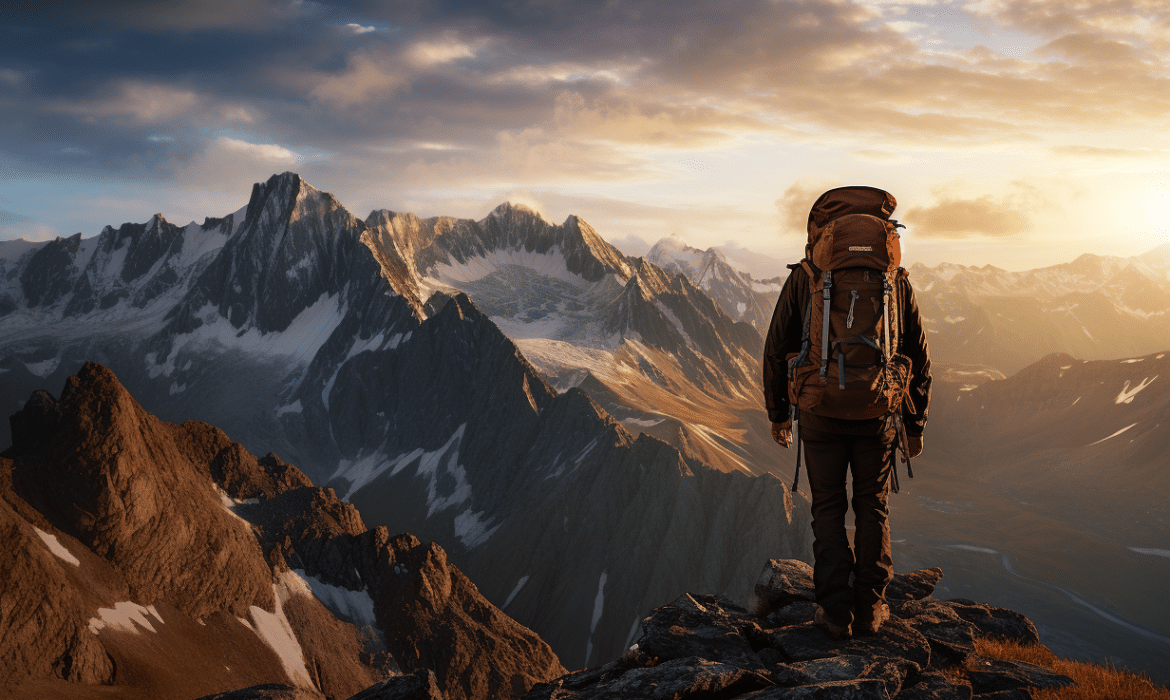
[650,346]
[707,646]
[162,560]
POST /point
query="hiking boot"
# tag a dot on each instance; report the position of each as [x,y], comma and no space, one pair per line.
[869,627]
[831,628]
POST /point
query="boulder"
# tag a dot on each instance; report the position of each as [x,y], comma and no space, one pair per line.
[896,639]
[989,675]
[951,637]
[708,627]
[265,691]
[934,686]
[679,679]
[915,585]
[783,581]
[420,685]
[831,690]
[893,672]
[996,623]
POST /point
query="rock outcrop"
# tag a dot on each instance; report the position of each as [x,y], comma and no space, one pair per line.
[165,561]
[707,646]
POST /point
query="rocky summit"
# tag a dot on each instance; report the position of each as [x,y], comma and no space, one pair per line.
[145,559]
[706,646]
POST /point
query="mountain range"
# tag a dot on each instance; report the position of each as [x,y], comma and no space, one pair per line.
[328,340]
[582,431]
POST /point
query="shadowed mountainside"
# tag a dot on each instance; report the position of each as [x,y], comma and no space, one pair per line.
[165,561]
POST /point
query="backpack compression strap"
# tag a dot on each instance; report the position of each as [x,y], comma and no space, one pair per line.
[827,296]
[886,314]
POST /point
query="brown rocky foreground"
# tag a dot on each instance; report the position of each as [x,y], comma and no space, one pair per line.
[706,646]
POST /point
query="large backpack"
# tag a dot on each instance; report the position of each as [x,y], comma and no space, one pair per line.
[849,365]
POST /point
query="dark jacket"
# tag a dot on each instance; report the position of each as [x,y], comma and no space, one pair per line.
[785,336]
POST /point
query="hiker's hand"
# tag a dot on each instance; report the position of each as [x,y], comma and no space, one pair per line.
[782,432]
[914,443]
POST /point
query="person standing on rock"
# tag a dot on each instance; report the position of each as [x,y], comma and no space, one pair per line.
[847,369]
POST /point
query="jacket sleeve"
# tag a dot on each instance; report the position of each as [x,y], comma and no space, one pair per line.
[785,334]
[914,347]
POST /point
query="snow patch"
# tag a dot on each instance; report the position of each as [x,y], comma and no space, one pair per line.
[1153,552]
[364,470]
[56,547]
[355,606]
[740,307]
[294,407]
[1119,432]
[45,368]
[298,343]
[1127,394]
[471,529]
[633,630]
[550,264]
[515,591]
[971,548]
[955,319]
[642,423]
[229,504]
[598,607]
[125,617]
[274,630]
[1130,362]
[376,342]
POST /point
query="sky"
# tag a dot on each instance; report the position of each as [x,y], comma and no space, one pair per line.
[1016,133]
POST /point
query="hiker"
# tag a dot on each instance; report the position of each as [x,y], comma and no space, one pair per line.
[846,368]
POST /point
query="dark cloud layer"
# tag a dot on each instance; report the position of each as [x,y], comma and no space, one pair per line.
[437,92]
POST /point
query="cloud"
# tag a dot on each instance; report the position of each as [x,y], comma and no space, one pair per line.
[228,164]
[1149,18]
[10,217]
[794,205]
[369,76]
[876,154]
[1098,152]
[353,28]
[435,52]
[28,230]
[185,15]
[149,103]
[960,218]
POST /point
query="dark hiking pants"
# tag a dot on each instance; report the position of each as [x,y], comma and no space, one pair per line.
[870,459]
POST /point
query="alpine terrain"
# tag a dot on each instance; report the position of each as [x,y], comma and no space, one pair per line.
[352,349]
[145,559]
